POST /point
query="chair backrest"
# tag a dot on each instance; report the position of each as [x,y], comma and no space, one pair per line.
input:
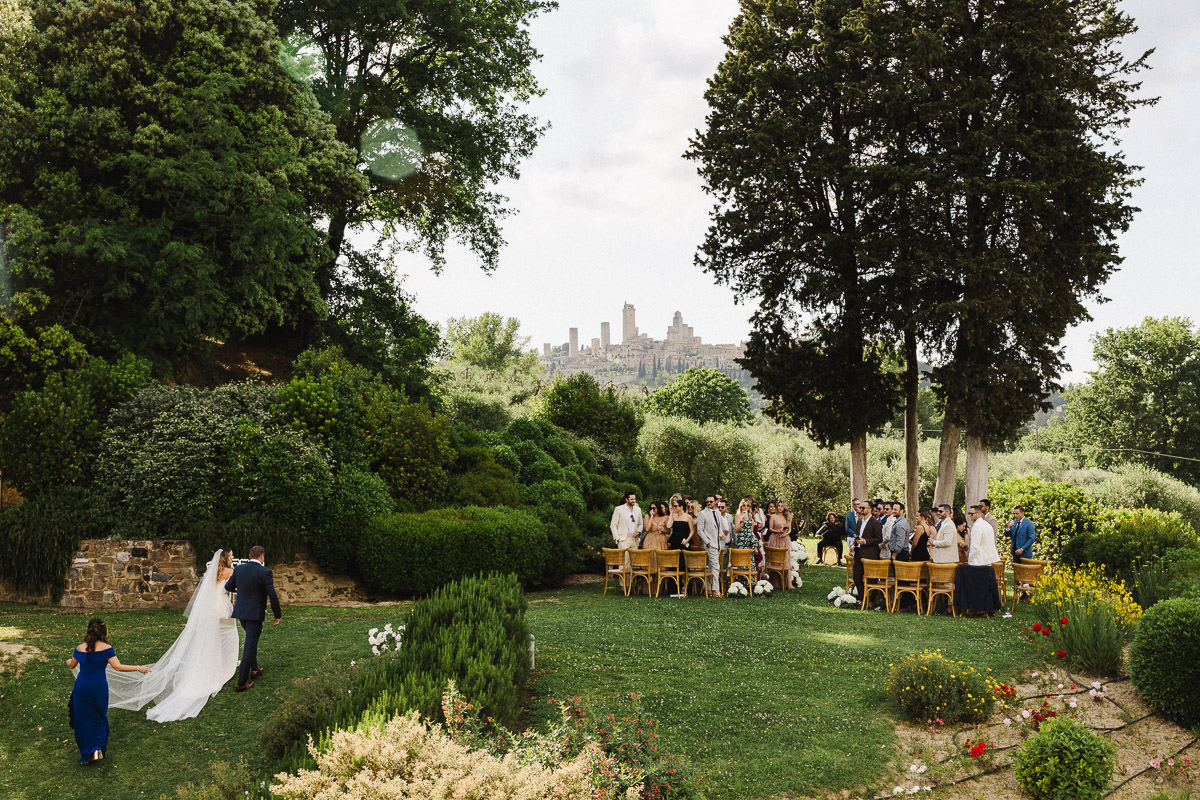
[695,560]
[909,570]
[741,557]
[875,569]
[668,560]
[613,557]
[943,573]
[777,557]
[1028,574]
[639,559]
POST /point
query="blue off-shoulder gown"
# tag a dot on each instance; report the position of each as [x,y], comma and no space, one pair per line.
[89,703]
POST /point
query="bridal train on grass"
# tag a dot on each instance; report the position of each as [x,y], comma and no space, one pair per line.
[195,666]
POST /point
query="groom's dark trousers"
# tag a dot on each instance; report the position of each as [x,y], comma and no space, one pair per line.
[255,585]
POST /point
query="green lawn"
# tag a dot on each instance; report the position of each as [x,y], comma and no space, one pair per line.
[779,696]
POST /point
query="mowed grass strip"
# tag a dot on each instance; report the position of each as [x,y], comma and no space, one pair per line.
[768,697]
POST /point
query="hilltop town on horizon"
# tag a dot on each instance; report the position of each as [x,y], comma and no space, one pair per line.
[639,359]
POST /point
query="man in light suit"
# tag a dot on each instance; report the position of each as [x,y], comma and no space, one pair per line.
[255,585]
[1023,534]
[986,505]
[711,533]
[626,523]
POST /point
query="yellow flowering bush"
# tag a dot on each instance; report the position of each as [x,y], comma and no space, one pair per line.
[1086,587]
[932,688]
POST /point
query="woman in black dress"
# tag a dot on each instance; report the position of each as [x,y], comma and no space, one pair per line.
[920,536]
[683,526]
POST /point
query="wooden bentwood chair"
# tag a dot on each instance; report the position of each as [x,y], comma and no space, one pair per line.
[741,562]
[695,563]
[615,566]
[876,578]
[669,570]
[1001,581]
[641,566]
[912,577]
[779,561]
[1026,579]
[941,584]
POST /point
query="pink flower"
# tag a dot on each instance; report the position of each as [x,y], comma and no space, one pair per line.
[1156,762]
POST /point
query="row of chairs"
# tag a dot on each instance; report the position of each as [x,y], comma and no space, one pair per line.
[926,580]
[658,566]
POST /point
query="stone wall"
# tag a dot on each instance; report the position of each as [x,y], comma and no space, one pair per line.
[161,573]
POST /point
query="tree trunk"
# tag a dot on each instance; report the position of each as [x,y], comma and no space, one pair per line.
[977,469]
[912,499]
[947,477]
[858,466]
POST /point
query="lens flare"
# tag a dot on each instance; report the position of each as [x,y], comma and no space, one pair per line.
[391,150]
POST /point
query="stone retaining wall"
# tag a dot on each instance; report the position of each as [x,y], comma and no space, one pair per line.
[161,573]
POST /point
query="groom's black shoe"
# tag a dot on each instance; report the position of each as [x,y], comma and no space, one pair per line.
[241,687]
[254,673]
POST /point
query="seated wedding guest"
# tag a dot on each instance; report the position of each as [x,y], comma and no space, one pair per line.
[982,551]
[922,536]
[831,534]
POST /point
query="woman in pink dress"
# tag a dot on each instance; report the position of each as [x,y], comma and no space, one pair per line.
[779,525]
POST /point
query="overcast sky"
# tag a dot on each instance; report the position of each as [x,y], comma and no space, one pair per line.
[609,211]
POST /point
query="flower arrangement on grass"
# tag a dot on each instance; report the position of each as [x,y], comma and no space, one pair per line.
[387,639]
[799,559]
[928,685]
[841,597]
[763,588]
[737,589]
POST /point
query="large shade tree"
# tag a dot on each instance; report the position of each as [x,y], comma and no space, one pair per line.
[161,176]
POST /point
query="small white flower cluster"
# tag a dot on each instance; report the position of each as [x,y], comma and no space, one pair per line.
[737,589]
[799,559]
[1097,691]
[911,789]
[387,639]
[917,769]
[841,597]
[763,588]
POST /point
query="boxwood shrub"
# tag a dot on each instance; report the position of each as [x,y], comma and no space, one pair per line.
[1162,659]
[414,554]
[355,497]
[1065,761]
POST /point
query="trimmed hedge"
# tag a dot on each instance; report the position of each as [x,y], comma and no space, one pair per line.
[356,497]
[1162,659]
[413,554]
[38,540]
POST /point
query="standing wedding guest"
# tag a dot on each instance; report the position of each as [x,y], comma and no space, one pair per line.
[654,537]
[1023,533]
[780,527]
[866,543]
[831,534]
[900,533]
[708,530]
[683,527]
[960,525]
[850,523]
[726,522]
[693,509]
[744,535]
[922,536]
[626,522]
[88,705]
[983,551]
[944,545]
[986,505]
[888,521]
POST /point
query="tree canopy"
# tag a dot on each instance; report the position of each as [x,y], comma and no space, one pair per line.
[490,342]
[161,175]
[702,394]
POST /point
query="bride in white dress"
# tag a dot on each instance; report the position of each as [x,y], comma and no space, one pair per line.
[197,664]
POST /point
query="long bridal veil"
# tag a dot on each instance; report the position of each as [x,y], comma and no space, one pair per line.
[195,666]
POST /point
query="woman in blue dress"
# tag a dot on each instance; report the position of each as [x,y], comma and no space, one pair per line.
[89,697]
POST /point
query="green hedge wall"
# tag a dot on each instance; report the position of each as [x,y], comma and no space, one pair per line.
[413,554]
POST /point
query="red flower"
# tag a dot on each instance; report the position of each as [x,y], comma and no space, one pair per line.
[1045,631]
[1037,627]
[1061,654]
[1063,621]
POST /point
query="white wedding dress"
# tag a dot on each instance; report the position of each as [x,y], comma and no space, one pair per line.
[195,666]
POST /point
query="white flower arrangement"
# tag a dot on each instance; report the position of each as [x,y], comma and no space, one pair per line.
[763,588]
[737,589]
[799,559]
[387,639]
[841,597]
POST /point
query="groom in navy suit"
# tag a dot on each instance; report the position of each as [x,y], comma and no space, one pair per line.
[254,585]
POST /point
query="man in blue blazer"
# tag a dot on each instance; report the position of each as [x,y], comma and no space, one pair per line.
[254,585]
[1023,534]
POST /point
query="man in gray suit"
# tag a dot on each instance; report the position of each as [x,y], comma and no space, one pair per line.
[709,529]
[900,534]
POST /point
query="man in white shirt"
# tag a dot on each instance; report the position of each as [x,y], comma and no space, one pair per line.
[982,552]
[626,523]
[708,528]
[888,520]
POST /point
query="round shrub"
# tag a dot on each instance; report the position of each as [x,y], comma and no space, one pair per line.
[485,484]
[578,404]
[355,497]
[559,450]
[1065,761]
[413,554]
[547,496]
[523,429]
[38,540]
[1162,659]
[929,686]
[544,468]
[506,457]
[411,449]
[527,452]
